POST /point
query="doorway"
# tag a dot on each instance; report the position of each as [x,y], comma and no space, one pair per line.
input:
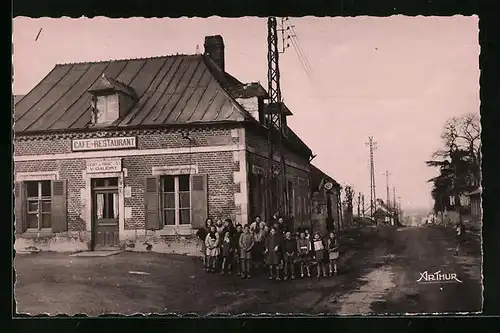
[105,212]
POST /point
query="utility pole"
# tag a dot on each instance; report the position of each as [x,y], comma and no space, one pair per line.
[373,196]
[400,213]
[276,125]
[394,203]
[387,174]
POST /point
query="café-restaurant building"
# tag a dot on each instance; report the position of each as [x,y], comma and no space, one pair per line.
[138,153]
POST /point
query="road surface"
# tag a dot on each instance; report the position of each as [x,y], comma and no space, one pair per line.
[378,274]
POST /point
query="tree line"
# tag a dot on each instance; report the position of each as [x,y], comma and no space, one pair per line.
[458,162]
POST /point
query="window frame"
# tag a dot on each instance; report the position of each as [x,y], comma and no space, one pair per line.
[105,115]
[177,209]
[40,199]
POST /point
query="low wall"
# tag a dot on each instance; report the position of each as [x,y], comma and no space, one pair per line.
[186,245]
[72,242]
[63,242]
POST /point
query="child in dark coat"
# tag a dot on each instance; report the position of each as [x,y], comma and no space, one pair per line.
[236,248]
[319,254]
[303,249]
[333,252]
[273,249]
[246,244]
[227,252]
[289,251]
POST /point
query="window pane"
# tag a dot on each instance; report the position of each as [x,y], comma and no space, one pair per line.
[100,205]
[46,206]
[168,184]
[185,216]
[110,210]
[99,182]
[46,220]
[184,183]
[169,216]
[32,221]
[184,201]
[46,188]
[169,200]
[32,206]
[32,189]
[112,181]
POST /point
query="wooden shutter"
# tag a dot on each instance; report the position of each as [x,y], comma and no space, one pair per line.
[20,207]
[152,202]
[199,200]
[59,211]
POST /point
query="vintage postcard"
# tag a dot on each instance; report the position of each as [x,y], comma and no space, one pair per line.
[247,166]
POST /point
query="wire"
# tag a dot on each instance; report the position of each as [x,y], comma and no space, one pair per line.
[306,66]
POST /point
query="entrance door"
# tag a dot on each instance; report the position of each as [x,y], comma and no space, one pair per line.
[105,214]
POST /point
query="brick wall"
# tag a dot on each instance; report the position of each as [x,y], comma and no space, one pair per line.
[167,138]
[220,167]
[296,170]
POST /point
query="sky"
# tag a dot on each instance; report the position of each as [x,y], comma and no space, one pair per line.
[396,78]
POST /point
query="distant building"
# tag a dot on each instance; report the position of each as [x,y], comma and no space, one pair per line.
[325,191]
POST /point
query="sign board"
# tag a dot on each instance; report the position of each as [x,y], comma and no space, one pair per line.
[175,170]
[104,143]
[104,165]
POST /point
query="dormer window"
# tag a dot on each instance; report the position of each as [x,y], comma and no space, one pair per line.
[106,109]
[111,100]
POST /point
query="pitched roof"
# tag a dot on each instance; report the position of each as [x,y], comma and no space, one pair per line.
[176,89]
[17,98]
[170,90]
[317,176]
[106,83]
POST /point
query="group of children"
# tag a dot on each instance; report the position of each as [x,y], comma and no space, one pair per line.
[228,248]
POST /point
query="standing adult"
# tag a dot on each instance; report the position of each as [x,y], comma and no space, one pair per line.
[460,232]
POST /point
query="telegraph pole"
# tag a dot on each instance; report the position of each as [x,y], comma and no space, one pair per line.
[373,196]
[387,174]
[276,123]
[394,203]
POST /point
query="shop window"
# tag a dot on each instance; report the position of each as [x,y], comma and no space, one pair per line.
[39,205]
[176,200]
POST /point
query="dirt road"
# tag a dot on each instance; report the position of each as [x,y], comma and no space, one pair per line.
[378,274]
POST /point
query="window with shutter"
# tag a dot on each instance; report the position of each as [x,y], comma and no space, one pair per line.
[37,205]
[152,200]
[176,200]
[199,200]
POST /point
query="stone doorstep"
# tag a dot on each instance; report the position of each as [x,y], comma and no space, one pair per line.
[95,254]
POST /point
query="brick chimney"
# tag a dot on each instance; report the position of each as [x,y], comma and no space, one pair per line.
[214,48]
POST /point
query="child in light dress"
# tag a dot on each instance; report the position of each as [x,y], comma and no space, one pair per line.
[213,249]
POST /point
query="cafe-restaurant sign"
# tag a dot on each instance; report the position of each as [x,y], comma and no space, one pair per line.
[104,143]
